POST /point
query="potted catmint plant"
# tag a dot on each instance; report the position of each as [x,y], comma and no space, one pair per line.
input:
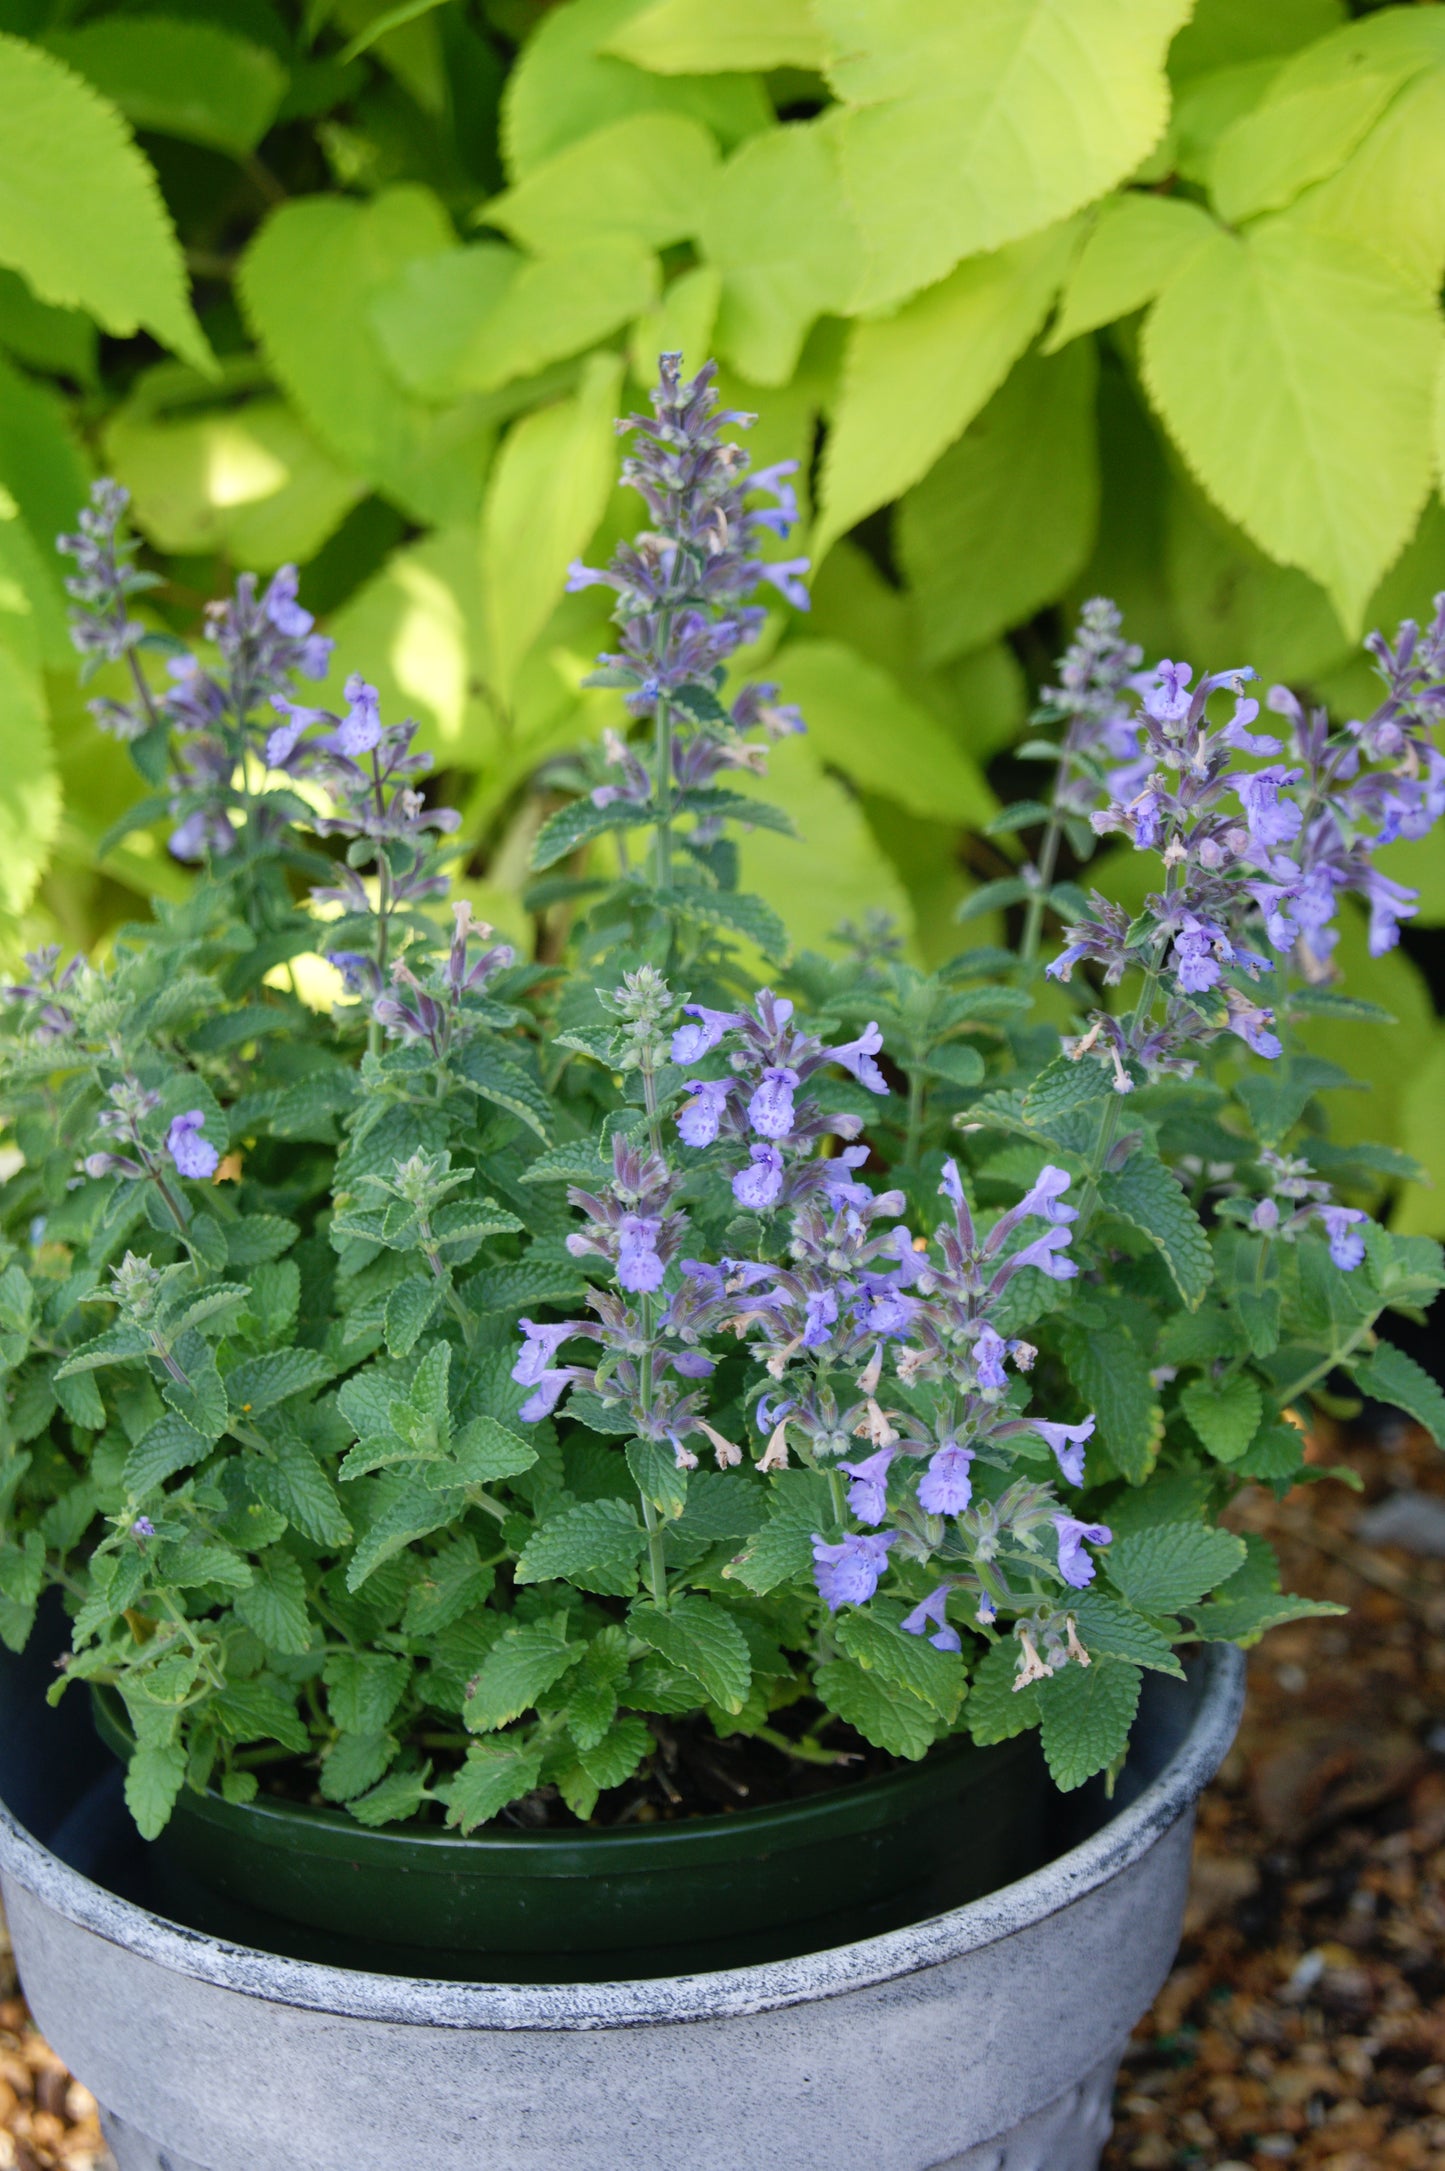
[664,1504]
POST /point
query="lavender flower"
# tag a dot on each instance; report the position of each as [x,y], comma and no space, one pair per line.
[946,1487]
[1075,1566]
[868,1493]
[193,1154]
[847,1574]
[930,1613]
[1067,1442]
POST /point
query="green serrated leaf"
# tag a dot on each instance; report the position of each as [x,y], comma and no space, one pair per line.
[153,1780]
[1173,1564]
[594,1545]
[1388,1375]
[259,1383]
[395,1801]
[702,1640]
[1112,1374]
[997,1710]
[1251,1601]
[1149,1197]
[1108,1629]
[908,1663]
[901,1724]
[495,1773]
[521,1665]
[363,1689]
[1086,1714]
[579,823]
[1225,1414]
[657,1476]
[1062,1086]
[274,1607]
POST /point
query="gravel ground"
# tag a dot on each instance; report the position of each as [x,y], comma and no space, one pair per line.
[1304,2023]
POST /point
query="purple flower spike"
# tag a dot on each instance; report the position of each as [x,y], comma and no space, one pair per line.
[193,1154]
[868,1493]
[1045,1200]
[360,729]
[989,1351]
[1043,1253]
[548,1392]
[760,1185]
[931,1613]
[857,1056]
[1067,1442]
[142,1528]
[782,574]
[539,1346]
[848,1574]
[770,1111]
[282,608]
[947,1486]
[1075,1566]
[638,1265]
[699,1118]
[690,1043]
[1346,1249]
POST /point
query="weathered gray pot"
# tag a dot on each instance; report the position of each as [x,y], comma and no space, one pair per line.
[985,2039]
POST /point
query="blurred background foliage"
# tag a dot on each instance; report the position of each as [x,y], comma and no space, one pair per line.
[1047,300]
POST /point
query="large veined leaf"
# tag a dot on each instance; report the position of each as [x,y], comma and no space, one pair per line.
[471,320]
[189,79]
[1254,355]
[977,555]
[551,485]
[80,212]
[1134,244]
[647,177]
[306,283]
[913,381]
[970,127]
[680,322]
[1227,33]
[1390,193]
[29,784]
[252,481]
[779,229]
[567,82]
[861,722]
[834,870]
[678,37]
[1231,600]
[1295,137]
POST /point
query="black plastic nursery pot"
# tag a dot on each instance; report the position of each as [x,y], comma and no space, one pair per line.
[700,1892]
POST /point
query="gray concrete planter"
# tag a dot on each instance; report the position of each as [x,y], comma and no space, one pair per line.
[985,2039]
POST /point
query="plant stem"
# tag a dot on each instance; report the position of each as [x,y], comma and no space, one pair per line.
[662,789]
[656,1566]
[1306,1380]
[1047,862]
[916,1095]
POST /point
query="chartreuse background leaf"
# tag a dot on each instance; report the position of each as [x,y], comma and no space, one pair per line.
[677,37]
[191,79]
[965,129]
[913,381]
[81,215]
[970,541]
[1272,424]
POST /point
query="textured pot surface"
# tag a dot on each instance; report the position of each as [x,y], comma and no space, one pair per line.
[665,1899]
[982,2039]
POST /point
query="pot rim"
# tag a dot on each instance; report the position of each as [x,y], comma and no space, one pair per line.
[728,1992]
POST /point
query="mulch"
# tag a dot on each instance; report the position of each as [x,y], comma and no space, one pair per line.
[1303,2024]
